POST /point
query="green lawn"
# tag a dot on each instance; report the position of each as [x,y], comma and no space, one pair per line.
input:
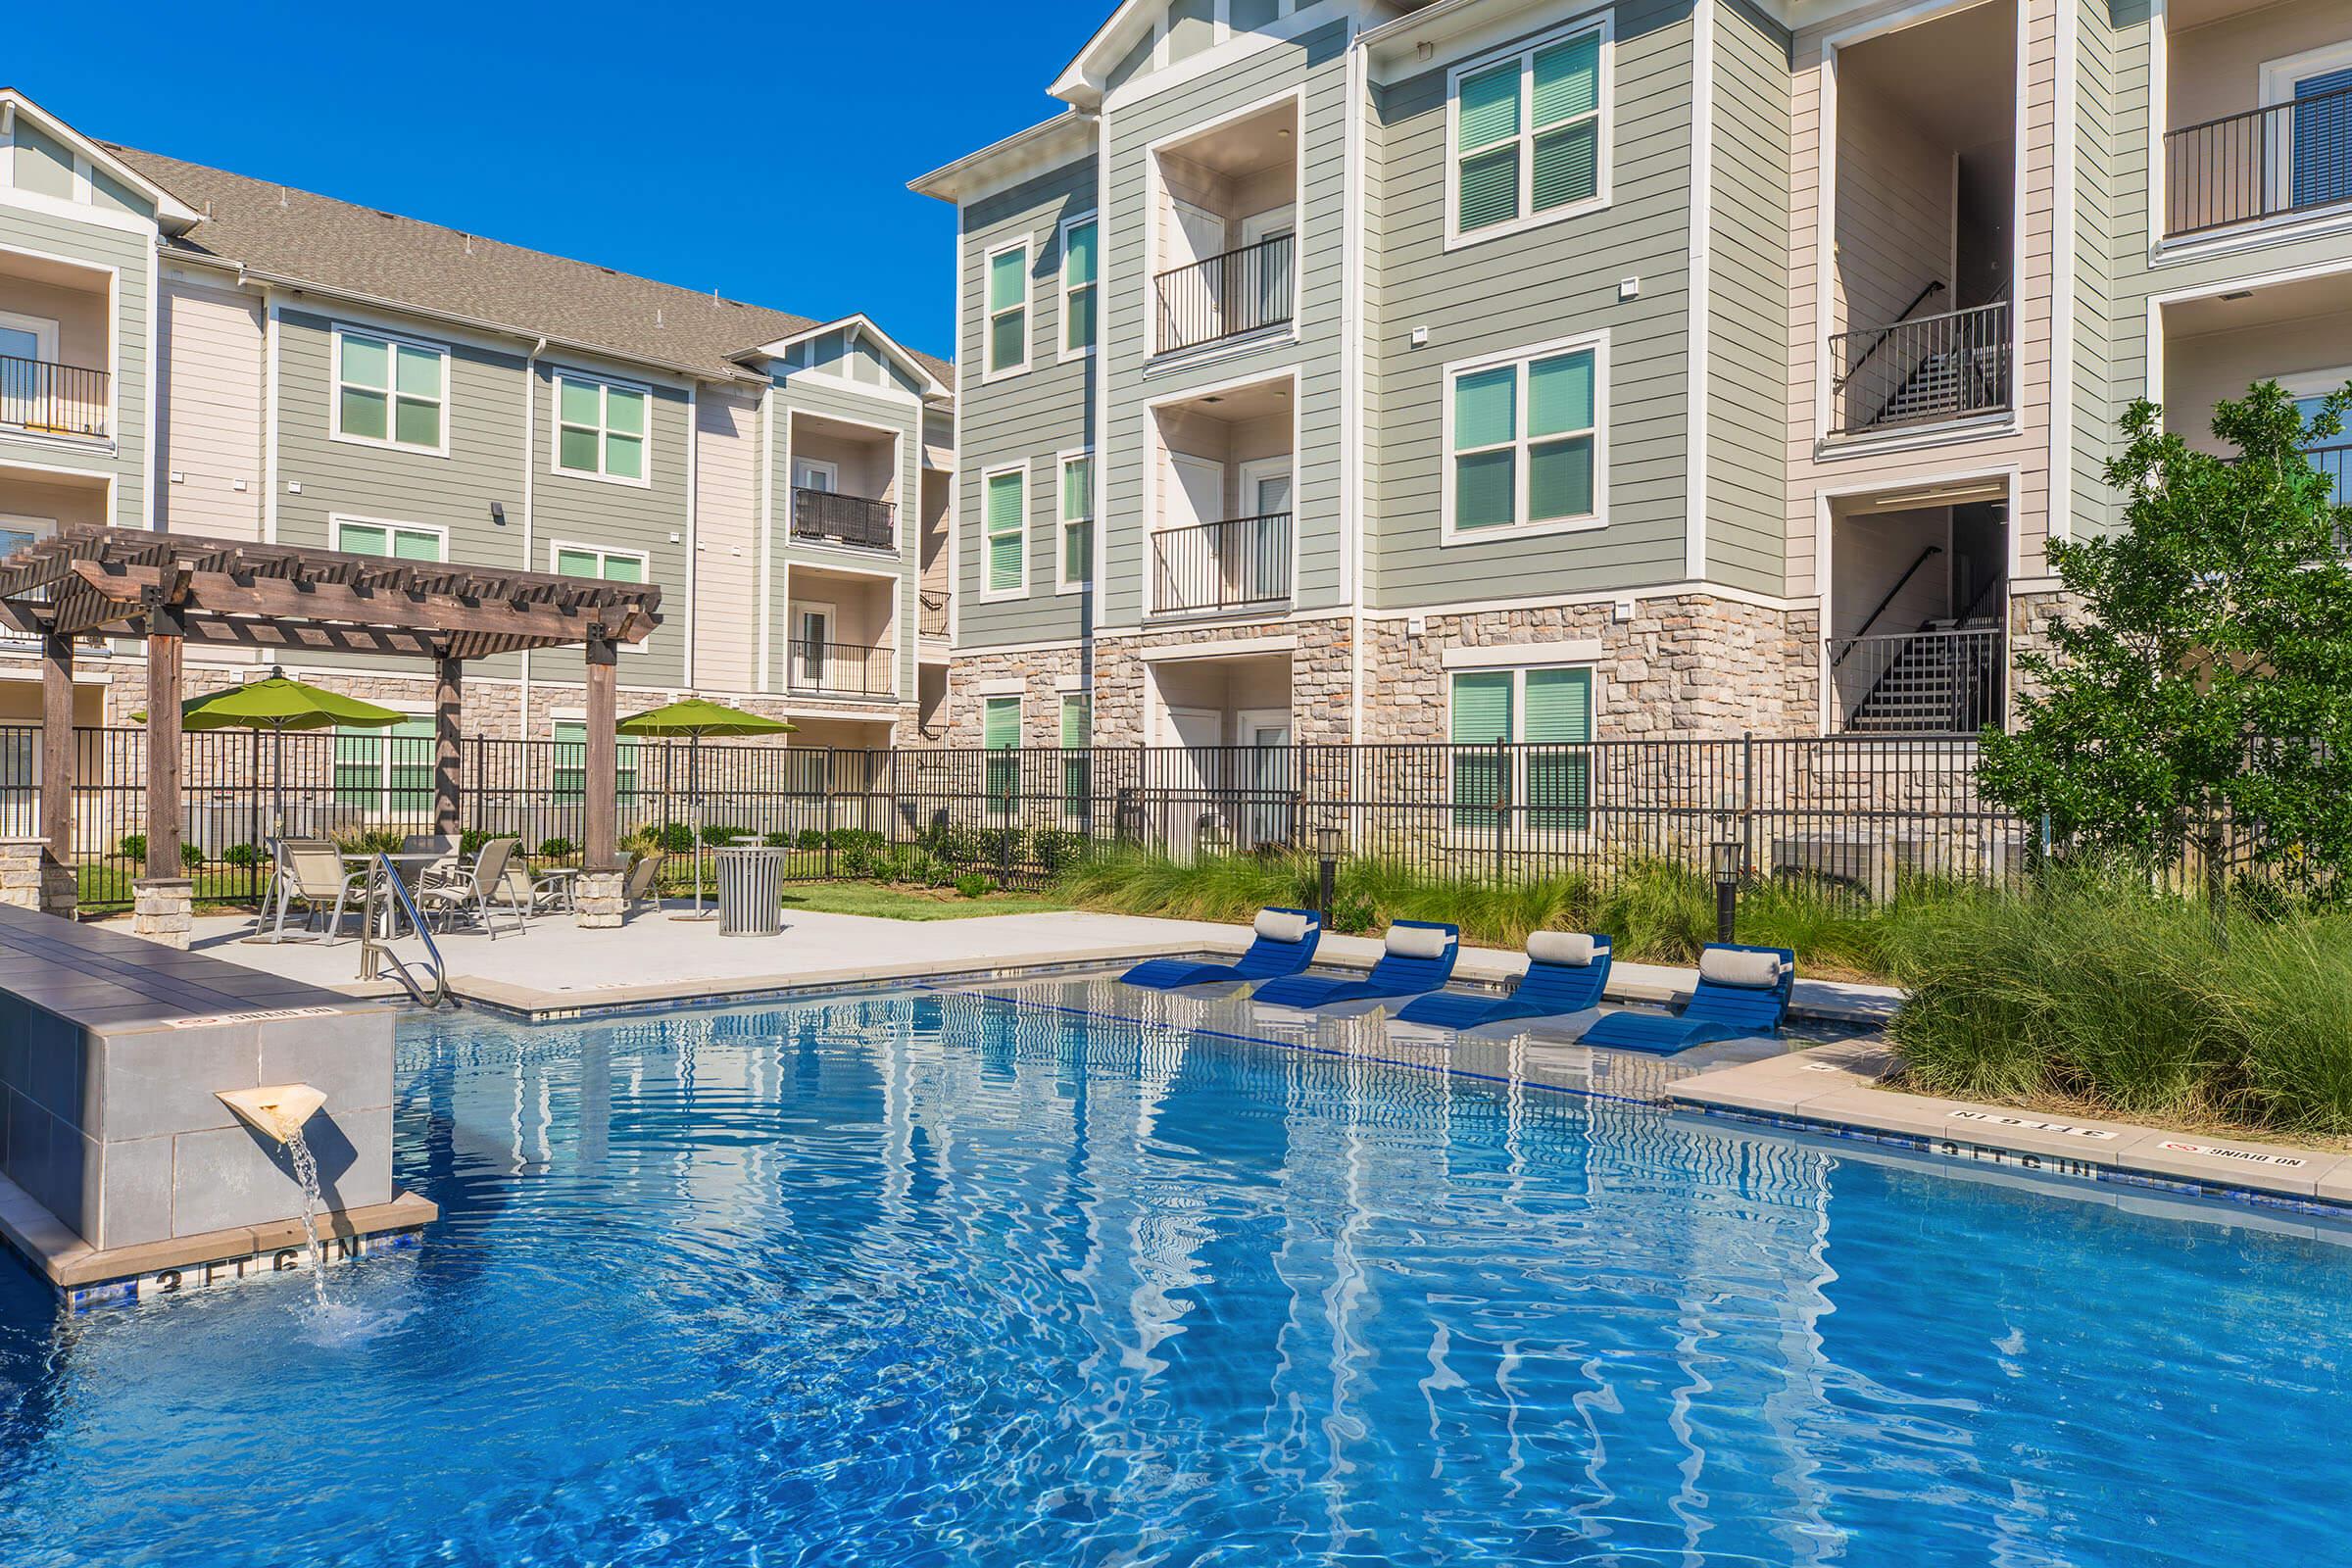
[911,904]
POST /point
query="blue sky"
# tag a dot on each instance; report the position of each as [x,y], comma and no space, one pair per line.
[767,157]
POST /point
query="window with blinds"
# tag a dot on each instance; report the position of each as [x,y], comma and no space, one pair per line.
[1007,285]
[387,773]
[1001,738]
[1524,440]
[600,429]
[396,540]
[1528,134]
[570,759]
[1005,504]
[1077,767]
[389,392]
[1077,520]
[1522,759]
[1078,292]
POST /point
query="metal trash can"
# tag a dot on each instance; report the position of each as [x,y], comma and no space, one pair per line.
[751,891]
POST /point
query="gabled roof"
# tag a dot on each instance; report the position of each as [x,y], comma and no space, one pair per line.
[174,214]
[936,375]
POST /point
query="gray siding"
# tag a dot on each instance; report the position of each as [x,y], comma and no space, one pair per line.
[130,254]
[1747,304]
[1029,417]
[1555,280]
[1316,62]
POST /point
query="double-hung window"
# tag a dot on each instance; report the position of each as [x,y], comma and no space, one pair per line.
[600,429]
[390,392]
[1007,285]
[1077,546]
[594,560]
[1521,739]
[1079,260]
[1529,139]
[1005,502]
[1524,439]
[1001,739]
[570,780]
[1077,761]
[387,773]
[400,541]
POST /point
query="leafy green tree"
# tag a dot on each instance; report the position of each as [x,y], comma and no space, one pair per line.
[2202,673]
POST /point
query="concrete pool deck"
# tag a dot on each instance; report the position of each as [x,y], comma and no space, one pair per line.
[553,968]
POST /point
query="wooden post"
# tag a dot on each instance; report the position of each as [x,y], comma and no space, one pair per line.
[601,783]
[57,747]
[166,640]
[449,694]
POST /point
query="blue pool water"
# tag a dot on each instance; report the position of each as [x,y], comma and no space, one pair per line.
[949,1279]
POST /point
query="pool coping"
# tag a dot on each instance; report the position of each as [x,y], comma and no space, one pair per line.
[1837,1089]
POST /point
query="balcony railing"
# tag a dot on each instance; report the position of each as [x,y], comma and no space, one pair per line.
[931,619]
[1935,682]
[1242,563]
[2335,462]
[844,520]
[838,669]
[1226,296]
[2287,157]
[52,399]
[1922,371]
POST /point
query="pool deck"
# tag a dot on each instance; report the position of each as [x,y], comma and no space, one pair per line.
[554,969]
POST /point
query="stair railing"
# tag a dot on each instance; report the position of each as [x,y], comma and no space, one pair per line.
[1871,620]
[386,901]
[1933,288]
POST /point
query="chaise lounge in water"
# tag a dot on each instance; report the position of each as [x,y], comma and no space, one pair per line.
[1565,973]
[1741,991]
[1417,956]
[1285,944]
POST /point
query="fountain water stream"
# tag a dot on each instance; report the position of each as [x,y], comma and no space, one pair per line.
[306,1171]
[279,1113]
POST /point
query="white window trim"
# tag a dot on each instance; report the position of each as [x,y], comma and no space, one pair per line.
[1062,248]
[990,595]
[337,521]
[645,577]
[2316,383]
[1517,829]
[1598,344]
[1063,584]
[382,805]
[989,315]
[43,328]
[334,389]
[606,385]
[1604,145]
[2278,79]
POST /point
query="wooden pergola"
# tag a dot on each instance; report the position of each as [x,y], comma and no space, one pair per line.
[174,589]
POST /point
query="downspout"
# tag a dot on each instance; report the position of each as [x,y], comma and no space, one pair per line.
[530,445]
[1351,380]
[694,452]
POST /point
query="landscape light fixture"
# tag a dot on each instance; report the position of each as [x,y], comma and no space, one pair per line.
[1327,872]
[1728,859]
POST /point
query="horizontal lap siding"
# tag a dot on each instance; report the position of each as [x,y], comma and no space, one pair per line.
[210,424]
[1028,418]
[1316,64]
[904,419]
[1552,281]
[726,532]
[130,254]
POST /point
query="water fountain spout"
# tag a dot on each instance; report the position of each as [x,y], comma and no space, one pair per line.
[276,1111]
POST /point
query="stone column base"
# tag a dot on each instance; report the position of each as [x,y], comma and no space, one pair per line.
[22,885]
[163,909]
[595,900]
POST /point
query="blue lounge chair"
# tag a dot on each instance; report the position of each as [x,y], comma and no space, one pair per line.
[1565,973]
[1741,991]
[1285,944]
[1419,956]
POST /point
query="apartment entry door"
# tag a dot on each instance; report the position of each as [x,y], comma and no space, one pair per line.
[1272,777]
[1192,806]
[1260,549]
[811,646]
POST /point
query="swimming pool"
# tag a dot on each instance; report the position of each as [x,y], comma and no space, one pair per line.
[948,1279]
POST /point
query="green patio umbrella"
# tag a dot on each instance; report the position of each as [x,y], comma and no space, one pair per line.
[694,718]
[277,704]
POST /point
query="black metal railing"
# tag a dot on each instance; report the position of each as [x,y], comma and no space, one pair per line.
[1931,682]
[1242,563]
[844,520]
[2287,157]
[931,616]
[2335,462]
[838,669]
[52,399]
[1931,368]
[1245,290]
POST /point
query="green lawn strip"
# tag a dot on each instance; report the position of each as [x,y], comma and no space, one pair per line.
[911,904]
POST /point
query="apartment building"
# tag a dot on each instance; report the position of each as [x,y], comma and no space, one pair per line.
[191,349]
[1535,370]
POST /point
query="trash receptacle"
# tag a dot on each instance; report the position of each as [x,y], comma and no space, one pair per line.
[751,891]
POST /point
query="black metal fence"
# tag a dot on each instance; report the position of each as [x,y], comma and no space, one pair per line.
[2291,157]
[1856,813]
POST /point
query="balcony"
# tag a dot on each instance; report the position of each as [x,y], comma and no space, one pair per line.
[1936,681]
[1239,563]
[1925,370]
[46,399]
[931,619]
[1227,296]
[814,668]
[2276,162]
[823,515]
[2335,462]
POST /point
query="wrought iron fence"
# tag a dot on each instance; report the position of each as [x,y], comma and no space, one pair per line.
[2287,157]
[1225,296]
[1928,367]
[1242,563]
[844,520]
[55,399]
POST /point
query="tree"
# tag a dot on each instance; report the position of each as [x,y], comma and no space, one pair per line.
[2201,674]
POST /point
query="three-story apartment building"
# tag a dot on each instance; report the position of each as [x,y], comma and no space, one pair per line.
[183,348]
[1537,370]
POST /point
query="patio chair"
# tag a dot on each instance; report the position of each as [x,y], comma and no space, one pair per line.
[532,892]
[641,885]
[1565,973]
[1741,991]
[1417,956]
[481,887]
[311,872]
[1284,944]
[448,868]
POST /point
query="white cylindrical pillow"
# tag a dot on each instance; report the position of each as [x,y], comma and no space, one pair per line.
[1572,947]
[1281,925]
[1728,967]
[1417,941]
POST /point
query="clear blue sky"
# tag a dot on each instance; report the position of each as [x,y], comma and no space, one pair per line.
[766,156]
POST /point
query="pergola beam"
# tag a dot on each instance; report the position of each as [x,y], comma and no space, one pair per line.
[210,593]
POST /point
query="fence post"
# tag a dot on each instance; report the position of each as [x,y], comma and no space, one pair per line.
[1503,807]
[1747,800]
[829,830]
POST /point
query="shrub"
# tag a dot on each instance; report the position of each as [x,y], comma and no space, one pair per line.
[134,847]
[190,856]
[558,849]
[809,838]
[776,841]
[972,885]
[1352,913]
[718,838]
[241,856]
[370,841]
[1058,849]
